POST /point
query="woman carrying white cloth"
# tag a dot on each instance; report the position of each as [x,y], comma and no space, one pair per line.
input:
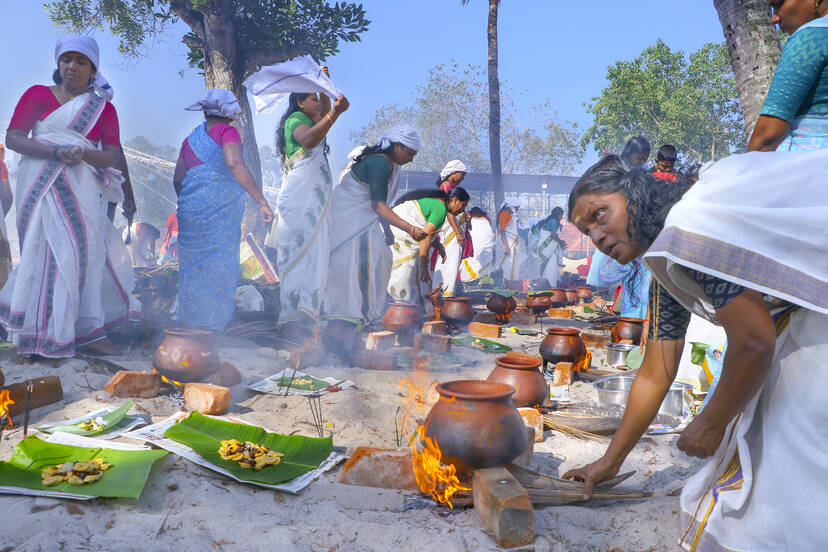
[479,265]
[75,278]
[303,205]
[360,235]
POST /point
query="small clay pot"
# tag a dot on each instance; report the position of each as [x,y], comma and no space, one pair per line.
[500,304]
[457,311]
[539,303]
[186,355]
[476,425]
[562,345]
[558,298]
[585,293]
[523,373]
[628,328]
[572,297]
[401,318]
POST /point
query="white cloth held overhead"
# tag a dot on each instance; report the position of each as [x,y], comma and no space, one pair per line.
[302,74]
[404,135]
[218,103]
[453,166]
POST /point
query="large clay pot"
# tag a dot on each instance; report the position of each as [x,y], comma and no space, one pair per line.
[628,328]
[475,424]
[401,318]
[562,345]
[186,355]
[523,373]
[500,304]
[457,311]
[539,303]
[572,297]
[585,293]
[558,298]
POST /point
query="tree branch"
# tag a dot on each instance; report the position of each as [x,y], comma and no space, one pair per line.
[195,43]
[253,59]
[193,18]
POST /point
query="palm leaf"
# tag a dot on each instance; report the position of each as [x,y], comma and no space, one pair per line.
[125,479]
[204,435]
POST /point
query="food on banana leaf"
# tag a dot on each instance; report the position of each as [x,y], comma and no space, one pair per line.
[93,425]
[74,473]
[249,455]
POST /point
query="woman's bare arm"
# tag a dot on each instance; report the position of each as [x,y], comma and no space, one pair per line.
[768,133]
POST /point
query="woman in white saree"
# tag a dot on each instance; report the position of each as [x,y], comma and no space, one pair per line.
[479,265]
[304,207]
[75,278]
[512,256]
[548,246]
[453,233]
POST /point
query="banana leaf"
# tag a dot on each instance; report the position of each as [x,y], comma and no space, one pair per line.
[485,345]
[314,385]
[125,479]
[111,421]
[204,436]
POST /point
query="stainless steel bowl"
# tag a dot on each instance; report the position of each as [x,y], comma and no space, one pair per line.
[617,354]
[616,390]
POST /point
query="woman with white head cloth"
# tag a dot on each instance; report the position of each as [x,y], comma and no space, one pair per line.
[361,220]
[304,201]
[211,180]
[453,234]
[75,276]
[510,252]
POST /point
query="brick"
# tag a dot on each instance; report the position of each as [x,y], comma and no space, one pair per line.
[504,506]
[563,374]
[534,419]
[525,457]
[436,327]
[45,390]
[479,329]
[227,375]
[374,360]
[523,318]
[432,343]
[385,468]
[486,317]
[308,355]
[140,385]
[206,398]
[381,341]
[560,313]
[594,340]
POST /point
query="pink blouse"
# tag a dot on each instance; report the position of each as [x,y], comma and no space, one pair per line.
[220,133]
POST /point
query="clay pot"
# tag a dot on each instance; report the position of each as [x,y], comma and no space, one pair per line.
[585,293]
[500,304]
[539,303]
[628,328]
[186,355]
[401,318]
[476,425]
[457,311]
[562,345]
[558,298]
[522,372]
[572,297]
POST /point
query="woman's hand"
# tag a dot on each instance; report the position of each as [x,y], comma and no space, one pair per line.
[424,275]
[341,105]
[266,213]
[702,437]
[440,250]
[461,241]
[70,157]
[598,471]
[417,233]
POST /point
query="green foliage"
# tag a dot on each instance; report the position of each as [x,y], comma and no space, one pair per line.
[450,111]
[691,103]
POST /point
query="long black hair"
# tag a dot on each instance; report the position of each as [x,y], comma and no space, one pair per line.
[374,150]
[647,202]
[456,193]
[556,213]
[281,141]
[634,146]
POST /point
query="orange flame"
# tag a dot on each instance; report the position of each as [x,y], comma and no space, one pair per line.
[172,382]
[583,364]
[418,389]
[433,477]
[5,403]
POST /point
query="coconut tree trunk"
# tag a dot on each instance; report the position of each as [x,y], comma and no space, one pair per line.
[754,50]
[494,107]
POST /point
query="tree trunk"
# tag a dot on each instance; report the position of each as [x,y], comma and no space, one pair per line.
[223,68]
[494,107]
[754,50]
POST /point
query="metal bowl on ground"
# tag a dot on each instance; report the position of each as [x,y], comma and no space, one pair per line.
[617,354]
[616,390]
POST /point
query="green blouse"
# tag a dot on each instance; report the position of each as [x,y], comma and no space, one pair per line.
[433,209]
[374,170]
[294,121]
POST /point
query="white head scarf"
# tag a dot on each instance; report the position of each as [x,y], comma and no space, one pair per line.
[87,46]
[511,202]
[453,166]
[218,103]
[404,135]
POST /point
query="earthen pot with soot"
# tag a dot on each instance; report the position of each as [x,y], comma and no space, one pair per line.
[572,297]
[402,318]
[186,355]
[558,298]
[628,328]
[500,304]
[523,373]
[539,302]
[476,425]
[457,311]
[585,293]
[562,345]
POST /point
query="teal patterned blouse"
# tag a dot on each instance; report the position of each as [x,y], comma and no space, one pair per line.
[800,84]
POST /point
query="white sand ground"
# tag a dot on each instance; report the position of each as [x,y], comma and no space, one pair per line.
[186,507]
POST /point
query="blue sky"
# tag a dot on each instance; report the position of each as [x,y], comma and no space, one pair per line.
[549,49]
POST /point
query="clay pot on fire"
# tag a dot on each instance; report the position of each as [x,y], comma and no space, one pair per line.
[523,373]
[186,355]
[457,311]
[572,297]
[500,304]
[585,293]
[558,298]
[476,425]
[629,329]
[401,318]
[539,303]
[562,345]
